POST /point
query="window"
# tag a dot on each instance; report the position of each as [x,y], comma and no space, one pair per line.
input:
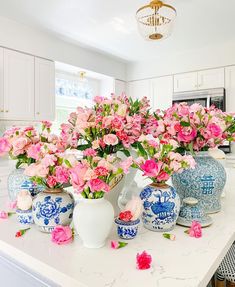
[71,92]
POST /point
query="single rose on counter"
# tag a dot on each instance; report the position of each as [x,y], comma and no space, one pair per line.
[143,260]
[62,235]
[195,230]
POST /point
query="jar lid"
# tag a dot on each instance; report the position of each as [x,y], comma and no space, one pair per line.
[190,201]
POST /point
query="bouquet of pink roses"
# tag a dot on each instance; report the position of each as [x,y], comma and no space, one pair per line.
[159,161]
[23,144]
[113,124]
[195,127]
[93,176]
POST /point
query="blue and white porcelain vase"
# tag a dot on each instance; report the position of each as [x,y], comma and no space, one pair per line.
[127,229]
[17,181]
[205,182]
[161,207]
[25,217]
[52,207]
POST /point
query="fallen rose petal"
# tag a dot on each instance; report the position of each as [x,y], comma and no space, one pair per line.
[143,260]
[114,244]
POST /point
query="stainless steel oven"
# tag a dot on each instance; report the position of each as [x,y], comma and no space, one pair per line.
[206,98]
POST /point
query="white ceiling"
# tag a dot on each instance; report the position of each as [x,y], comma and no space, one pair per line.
[109,25]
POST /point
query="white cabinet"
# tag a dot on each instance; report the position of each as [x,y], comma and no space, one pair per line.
[120,87]
[185,82]
[44,89]
[162,92]
[1,85]
[206,79]
[230,88]
[18,86]
[140,89]
[209,79]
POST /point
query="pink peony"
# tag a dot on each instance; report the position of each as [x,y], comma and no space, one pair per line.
[151,168]
[34,151]
[110,139]
[187,134]
[144,260]
[4,146]
[98,185]
[3,215]
[62,235]
[61,174]
[195,230]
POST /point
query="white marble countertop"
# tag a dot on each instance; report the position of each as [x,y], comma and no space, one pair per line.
[186,262]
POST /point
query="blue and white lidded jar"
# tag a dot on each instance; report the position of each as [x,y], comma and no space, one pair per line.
[52,207]
[161,207]
[127,229]
[25,217]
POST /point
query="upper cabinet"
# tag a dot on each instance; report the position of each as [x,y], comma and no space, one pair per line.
[18,86]
[207,79]
[162,92]
[44,89]
[27,89]
[230,88]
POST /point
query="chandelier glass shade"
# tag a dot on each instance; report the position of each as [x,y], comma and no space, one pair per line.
[155,20]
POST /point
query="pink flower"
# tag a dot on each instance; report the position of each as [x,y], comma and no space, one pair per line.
[195,230]
[19,145]
[162,176]
[144,260]
[46,124]
[49,160]
[101,171]
[35,169]
[61,174]
[126,164]
[4,146]
[12,204]
[51,181]
[89,152]
[151,168]
[34,151]
[62,235]
[3,215]
[98,185]
[215,130]
[77,175]
[187,134]
[125,215]
[98,99]
[110,139]
[114,244]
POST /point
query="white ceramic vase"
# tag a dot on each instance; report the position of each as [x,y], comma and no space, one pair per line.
[93,220]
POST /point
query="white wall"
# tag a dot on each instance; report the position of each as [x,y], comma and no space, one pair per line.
[208,57]
[17,36]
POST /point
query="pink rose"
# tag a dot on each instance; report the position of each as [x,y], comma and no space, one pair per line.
[89,152]
[215,130]
[3,215]
[62,235]
[51,181]
[144,260]
[110,139]
[162,176]
[151,168]
[98,185]
[187,134]
[4,146]
[61,174]
[19,145]
[34,151]
[114,244]
[195,230]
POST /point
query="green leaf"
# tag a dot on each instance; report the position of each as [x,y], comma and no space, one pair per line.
[142,150]
[84,146]
[122,244]
[67,163]
[126,152]
[166,235]
[185,124]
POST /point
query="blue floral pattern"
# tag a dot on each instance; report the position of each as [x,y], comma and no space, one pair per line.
[25,217]
[161,207]
[127,230]
[205,182]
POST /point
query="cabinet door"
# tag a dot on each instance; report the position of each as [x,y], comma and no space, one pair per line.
[162,89]
[185,82]
[120,87]
[140,89]
[209,79]
[230,88]
[18,86]
[44,89]
[1,85]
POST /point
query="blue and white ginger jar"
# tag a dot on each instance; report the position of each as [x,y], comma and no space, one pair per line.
[127,230]
[52,207]
[205,182]
[161,207]
[24,217]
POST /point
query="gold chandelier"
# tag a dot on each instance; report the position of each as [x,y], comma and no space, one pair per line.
[155,20]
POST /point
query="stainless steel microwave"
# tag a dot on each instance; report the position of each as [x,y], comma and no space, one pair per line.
[206,98]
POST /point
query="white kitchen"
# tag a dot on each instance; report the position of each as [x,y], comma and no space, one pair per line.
[113,113]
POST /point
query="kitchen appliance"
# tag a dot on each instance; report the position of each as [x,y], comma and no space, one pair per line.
[206,98]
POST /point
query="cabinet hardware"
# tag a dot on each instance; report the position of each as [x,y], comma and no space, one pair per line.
[38,113]
[6,111]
